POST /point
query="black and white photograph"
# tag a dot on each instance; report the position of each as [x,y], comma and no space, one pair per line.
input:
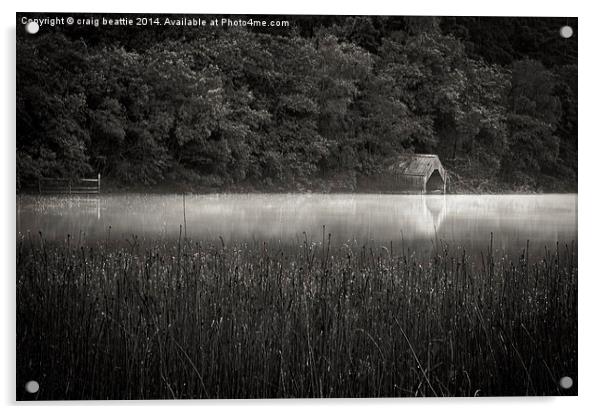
[303,206]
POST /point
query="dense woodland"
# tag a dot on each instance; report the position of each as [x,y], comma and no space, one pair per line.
[315,106]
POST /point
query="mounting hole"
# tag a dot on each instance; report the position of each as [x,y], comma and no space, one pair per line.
[32,27]
[566,382]
[32,387]
[566,31]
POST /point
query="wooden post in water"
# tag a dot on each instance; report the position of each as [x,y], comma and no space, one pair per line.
[98,183]
[444,182]
[184,208]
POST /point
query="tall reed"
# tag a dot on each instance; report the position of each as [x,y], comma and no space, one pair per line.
[188,319]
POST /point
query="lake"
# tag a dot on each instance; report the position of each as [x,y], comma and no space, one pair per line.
[418,222]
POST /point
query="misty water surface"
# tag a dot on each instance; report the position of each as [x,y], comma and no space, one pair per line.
[415,221]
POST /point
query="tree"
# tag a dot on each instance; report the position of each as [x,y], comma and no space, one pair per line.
[288,109]
[534,116]
[51,109]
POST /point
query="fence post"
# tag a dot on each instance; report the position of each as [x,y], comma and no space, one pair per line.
[98,183]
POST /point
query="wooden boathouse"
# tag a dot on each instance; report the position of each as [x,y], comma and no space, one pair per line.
[414,173]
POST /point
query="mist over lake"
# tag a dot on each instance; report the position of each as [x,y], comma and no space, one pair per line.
[417,221]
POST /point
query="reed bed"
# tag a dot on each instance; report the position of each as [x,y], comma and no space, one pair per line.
[186,319]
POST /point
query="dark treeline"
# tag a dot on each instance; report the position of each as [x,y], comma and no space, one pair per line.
[313,106]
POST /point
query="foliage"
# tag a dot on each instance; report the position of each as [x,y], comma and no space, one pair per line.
[534,115]
[286,110]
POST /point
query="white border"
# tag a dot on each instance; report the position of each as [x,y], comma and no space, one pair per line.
[590,286]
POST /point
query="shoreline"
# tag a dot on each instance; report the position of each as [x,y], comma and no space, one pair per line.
[155,191]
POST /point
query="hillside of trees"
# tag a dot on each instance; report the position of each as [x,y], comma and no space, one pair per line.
[315,106]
